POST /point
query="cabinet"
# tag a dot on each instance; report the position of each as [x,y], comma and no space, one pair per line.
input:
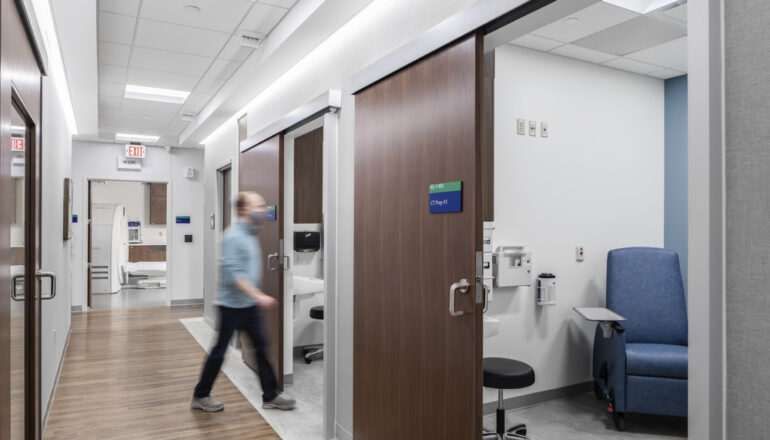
[137,253]
[158,203]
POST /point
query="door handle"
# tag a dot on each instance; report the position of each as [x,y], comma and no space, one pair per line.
[462,286]
[39,275]
[270,259]
[52,276]
[485,292]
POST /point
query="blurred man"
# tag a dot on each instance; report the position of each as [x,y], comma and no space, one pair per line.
[241,304]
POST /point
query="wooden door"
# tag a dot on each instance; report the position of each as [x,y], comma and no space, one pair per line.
[261,170]
[90,244]
[417,369]
[158,200]
[20,93]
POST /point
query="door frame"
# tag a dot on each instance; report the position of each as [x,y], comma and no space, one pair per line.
[86,256]
[706,182]
[328,105]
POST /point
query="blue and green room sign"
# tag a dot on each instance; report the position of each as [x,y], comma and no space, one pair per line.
[446,197]
[271,213]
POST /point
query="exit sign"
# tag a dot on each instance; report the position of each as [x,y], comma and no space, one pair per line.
[17,144]
[135,151]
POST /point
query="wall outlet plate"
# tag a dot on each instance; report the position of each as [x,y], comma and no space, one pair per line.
[544,129]
[521,127]
[532,128]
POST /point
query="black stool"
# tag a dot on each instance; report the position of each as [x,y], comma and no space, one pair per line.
[315,351]
[507,374]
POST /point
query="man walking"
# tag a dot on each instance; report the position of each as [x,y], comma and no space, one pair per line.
[241,304]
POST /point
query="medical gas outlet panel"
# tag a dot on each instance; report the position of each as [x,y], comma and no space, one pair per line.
[512,266]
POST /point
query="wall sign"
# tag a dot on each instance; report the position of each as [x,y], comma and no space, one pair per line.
[134,224]
[17,144]
[125,163]
[271,213]
[446,197]
[75,218]
[135,151]
[183,219]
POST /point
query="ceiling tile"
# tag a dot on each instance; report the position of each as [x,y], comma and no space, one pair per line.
[177,125]
[537,43]
[679,13]
[164,80]
[176,38]
[116,28]
[222,69]
[671,55]
[592,19]
[195,102]
[110,101]
[174,62]
[153,108]
[263,18]
[115,54]
[110,73]
[217,15]
[581,53]
[111,89]
[281,3]
[666,73]
[126,7]
[234,51]
[631,66]
[633,35]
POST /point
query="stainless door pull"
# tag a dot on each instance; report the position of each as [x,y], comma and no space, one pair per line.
[462,286]
[52,277]
[270,259]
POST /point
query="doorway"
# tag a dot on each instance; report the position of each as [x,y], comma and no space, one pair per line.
[128,258]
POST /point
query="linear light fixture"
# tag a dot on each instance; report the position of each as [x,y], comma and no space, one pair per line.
[128,137]
[641,6]
[155,94]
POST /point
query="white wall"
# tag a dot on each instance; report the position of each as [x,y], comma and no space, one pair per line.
[379,29]
[596,181]
[99,161]
[55,251]
[136,197]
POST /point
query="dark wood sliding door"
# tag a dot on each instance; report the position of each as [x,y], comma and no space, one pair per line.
[418,211]
[261,170]
[20,100]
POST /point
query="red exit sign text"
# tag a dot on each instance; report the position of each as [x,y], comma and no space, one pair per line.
[135,151]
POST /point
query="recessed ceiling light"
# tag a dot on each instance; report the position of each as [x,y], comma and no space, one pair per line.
[192,8]
[571,20]
[642,6]
[155,94]
[128,137]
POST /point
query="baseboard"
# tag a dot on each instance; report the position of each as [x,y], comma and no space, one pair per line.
[55,383]
[540,397]
[77,309]
[342,433]
[187,302]
[288,379]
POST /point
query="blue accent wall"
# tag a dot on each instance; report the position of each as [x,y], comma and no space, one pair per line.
[675,228]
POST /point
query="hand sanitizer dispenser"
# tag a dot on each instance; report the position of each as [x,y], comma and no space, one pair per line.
[512,266]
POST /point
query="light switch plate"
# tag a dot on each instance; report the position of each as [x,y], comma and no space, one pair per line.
[521,127]
[544,129]
[532,128]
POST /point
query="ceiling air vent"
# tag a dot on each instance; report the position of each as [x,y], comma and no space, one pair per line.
[188,117]
[251,40]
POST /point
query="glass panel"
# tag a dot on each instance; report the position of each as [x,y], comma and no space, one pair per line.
[16,204]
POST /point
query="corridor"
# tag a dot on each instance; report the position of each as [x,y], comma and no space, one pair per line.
[129,374]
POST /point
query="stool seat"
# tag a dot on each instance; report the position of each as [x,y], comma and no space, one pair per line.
[502,373]
[317,312]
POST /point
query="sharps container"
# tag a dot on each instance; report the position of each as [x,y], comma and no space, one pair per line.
[546,289]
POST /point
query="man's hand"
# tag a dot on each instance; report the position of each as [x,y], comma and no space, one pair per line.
[266,301]
[263,300]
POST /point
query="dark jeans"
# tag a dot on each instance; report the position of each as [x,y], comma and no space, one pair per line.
[250,320]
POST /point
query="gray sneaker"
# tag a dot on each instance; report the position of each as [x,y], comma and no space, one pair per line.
[208,404]
[280,402]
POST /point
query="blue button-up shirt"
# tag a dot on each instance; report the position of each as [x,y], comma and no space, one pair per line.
[241,260]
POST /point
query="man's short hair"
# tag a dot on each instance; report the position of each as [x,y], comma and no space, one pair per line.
[243,199]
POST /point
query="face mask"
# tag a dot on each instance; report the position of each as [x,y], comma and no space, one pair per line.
[258,219]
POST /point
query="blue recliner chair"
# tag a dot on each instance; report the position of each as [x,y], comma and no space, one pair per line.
[642,366]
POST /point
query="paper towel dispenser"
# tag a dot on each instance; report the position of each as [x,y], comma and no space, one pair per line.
[307,241]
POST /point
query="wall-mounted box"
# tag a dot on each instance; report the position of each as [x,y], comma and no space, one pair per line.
[512,266]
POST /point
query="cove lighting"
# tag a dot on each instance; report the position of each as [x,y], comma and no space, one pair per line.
[155,94]
[641,6]
[136,137]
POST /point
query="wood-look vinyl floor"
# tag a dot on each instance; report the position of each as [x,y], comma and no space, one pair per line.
[130,374]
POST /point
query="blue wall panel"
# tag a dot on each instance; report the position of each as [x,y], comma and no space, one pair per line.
[675,230]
